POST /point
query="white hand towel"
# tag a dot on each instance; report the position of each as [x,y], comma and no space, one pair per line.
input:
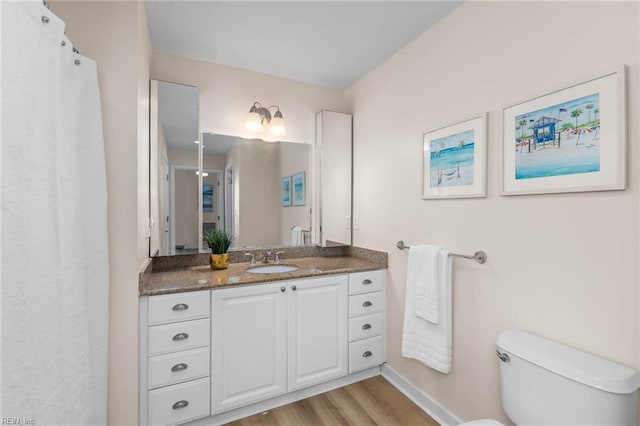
[296,236]
[422,340]
[423,274]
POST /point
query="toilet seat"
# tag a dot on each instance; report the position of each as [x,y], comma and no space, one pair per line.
[483,422]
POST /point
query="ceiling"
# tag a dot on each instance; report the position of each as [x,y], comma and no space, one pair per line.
[217,144]
[328,43]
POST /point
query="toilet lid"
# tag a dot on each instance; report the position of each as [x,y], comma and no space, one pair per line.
[483,422]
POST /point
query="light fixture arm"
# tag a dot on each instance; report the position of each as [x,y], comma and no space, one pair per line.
[264,113]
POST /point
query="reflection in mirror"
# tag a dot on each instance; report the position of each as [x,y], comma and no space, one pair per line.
[250,205]
[174,165]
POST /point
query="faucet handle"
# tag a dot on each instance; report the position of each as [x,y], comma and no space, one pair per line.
[278,253]
[253,258]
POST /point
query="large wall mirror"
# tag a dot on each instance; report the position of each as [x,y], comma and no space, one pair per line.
[265,194]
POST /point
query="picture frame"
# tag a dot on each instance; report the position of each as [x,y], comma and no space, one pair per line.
[285,191]
[551,143]
[207,198]
[298,189]
[454,160]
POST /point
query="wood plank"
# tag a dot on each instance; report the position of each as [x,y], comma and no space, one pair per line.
[367,403]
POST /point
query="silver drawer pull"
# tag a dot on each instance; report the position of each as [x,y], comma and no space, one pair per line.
[283,289]
[366,304]
[180,307]
[180,404]
[366,326]
[180,336]
[179,367]
[367,354]
[367,282]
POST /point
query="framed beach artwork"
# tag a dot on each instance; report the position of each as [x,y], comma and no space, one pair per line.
[285,191]
[571,140]
[298,189]
[454,160]
[207,198]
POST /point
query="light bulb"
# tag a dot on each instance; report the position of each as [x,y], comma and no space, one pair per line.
[276,127]
[252,122]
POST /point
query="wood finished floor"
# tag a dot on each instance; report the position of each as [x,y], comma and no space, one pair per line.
[370,402]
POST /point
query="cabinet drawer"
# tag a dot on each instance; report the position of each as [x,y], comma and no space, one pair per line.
[365,353]
[365,326]
[363,304]
[365,282]
[179,403]
[178,307]
[180,336]
[179,367]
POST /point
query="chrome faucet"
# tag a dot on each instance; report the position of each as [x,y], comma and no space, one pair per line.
[278,253]
[265,258]
[253,258]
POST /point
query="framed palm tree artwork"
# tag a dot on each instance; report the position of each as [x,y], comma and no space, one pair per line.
[570,140]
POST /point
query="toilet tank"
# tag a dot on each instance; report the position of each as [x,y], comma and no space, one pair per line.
[546,383]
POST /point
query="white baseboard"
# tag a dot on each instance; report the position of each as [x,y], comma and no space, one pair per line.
[262,406]
[421,399]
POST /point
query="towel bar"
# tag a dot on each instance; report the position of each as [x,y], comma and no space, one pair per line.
[479,256]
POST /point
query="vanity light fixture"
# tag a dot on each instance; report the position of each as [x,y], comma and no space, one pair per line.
[259,117]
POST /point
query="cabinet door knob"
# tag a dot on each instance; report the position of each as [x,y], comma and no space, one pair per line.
[283,289]
[179,367]
[367,354]
[294,288]
[180,404]
[367,304]
[366,326]
[180,307]
[180,336]
[367,282]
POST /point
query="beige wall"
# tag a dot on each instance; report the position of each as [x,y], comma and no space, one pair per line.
[226,94]
[572,276]
[115,34]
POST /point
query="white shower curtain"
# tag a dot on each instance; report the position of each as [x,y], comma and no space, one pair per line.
[54,276]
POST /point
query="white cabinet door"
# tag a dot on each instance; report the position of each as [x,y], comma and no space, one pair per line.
[318,348]
[248,345]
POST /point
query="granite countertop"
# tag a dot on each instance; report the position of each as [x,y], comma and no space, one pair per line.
[203,278]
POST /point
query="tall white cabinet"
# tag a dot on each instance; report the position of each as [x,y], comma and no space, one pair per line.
[334,148]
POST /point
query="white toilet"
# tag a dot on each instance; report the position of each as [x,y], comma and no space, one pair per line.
[546,383]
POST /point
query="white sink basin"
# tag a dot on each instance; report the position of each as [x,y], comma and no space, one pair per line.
[272,269]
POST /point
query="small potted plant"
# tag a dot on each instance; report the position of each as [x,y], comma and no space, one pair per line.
[219,243]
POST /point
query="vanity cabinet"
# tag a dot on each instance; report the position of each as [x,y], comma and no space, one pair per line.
[271,339]
[175,358]
[317,319]
[366,320]
[217,352]
[249,336]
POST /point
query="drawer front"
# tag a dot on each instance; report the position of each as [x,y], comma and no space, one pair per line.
[365,327]
[180,336]
[363,304]
[179,367]
[179,403]
[178,307]
[365,353]
[365,282]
